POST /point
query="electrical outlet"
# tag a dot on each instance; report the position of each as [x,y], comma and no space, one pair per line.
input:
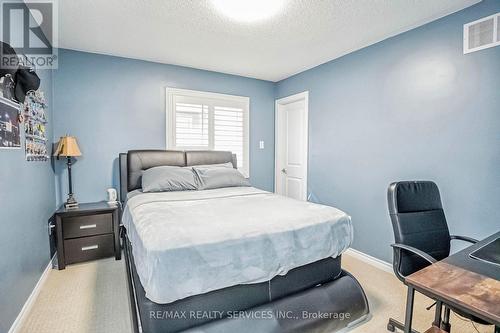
[261,144]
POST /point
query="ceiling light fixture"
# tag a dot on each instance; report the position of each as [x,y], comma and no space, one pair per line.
[248,10]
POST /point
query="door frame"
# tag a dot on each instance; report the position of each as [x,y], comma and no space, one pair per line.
[279,104]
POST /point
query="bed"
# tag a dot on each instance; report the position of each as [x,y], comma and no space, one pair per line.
[232,259]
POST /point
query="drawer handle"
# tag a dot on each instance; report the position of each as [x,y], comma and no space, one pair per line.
[88,226]
[91,247]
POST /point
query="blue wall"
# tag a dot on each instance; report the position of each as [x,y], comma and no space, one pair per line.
[114,104]
[410,107]
[27,198]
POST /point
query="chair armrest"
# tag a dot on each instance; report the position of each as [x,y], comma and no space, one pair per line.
[464,238]
[411,249]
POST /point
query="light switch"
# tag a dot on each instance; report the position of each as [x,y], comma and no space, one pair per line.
[261,144]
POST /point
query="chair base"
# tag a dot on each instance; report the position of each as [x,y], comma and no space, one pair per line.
[393,324]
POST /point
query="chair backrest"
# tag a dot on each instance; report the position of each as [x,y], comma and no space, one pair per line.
[418,220]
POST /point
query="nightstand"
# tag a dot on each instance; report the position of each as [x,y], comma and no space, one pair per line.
[88,232]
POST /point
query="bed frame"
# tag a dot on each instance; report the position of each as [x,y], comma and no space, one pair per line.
[334,305]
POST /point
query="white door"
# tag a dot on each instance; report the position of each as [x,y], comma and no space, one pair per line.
[291,146]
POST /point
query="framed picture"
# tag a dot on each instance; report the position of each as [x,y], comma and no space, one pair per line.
[10,128]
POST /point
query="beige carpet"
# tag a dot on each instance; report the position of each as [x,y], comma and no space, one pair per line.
[92,297]
[86,297]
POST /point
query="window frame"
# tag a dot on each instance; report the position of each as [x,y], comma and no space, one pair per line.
[170,136]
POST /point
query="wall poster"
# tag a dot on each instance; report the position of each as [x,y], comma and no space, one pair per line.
[10,127]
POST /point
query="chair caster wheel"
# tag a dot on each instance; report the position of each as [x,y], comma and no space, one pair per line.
[391,328]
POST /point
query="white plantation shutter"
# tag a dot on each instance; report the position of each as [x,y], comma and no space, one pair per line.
[191,125]
[229,131]
[200,120]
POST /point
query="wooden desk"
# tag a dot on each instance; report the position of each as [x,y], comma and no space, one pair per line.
[463,283]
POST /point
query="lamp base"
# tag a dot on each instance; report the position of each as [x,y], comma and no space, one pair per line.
[71,202]
[70,206]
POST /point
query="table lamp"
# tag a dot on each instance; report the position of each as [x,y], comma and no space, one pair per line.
[68,147]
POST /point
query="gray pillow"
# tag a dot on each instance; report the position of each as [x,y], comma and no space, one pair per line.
[217,177]
[211,166]
[168,178]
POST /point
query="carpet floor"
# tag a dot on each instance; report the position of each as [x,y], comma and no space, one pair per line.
[92,297]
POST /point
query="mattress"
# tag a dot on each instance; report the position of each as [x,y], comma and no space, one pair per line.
[193,242]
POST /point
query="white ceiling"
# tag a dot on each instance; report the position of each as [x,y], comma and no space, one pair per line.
[193,33]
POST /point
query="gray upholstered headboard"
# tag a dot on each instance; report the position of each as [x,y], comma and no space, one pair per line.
[135,161]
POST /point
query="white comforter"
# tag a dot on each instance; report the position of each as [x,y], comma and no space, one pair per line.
[193,242]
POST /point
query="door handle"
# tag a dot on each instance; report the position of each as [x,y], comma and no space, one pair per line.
[283,170]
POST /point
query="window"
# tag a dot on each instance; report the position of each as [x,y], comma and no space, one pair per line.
[202,120]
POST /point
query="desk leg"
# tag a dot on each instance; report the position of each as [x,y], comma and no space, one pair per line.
[409,309]
[445,325]
[437,316]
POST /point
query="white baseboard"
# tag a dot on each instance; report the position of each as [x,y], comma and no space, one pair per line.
[380,264]
[21,317]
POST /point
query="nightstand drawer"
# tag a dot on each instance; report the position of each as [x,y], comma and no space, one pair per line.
[88,248]
[87,225]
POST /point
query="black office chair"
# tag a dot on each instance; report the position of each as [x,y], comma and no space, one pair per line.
[421,234]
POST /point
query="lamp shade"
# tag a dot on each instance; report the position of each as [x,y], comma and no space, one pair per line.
[67,146]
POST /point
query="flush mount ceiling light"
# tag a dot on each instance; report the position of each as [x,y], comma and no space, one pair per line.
[248,10]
